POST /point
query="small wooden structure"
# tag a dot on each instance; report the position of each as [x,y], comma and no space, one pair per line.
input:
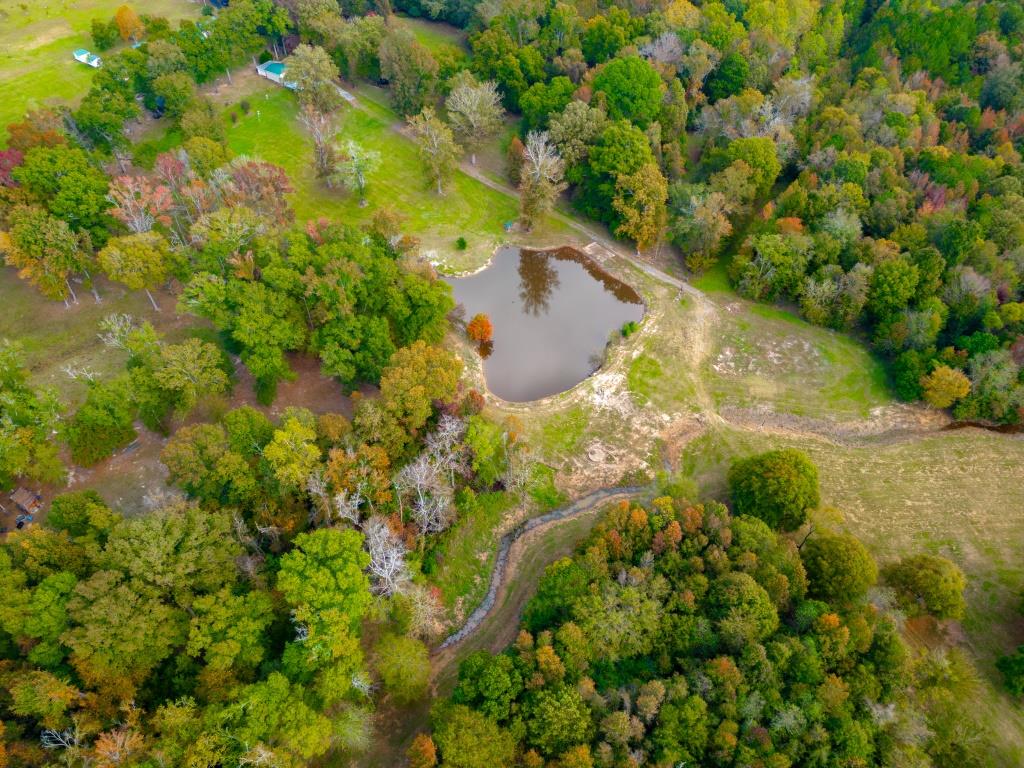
[28,502]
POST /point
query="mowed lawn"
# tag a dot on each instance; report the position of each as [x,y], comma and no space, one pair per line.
[436,36]
[36,41]
[468,208]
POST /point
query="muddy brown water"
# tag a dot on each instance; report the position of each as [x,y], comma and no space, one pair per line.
[553,313]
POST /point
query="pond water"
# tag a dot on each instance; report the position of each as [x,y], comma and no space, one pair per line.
[553,313]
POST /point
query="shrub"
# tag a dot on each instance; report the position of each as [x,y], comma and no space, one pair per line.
[461,244]
[629,328]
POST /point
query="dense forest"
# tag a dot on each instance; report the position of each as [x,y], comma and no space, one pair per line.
[680,634]
[225,628]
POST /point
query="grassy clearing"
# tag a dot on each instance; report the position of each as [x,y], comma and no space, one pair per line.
[436,36]
[461,560]
[55,336]
[468,209]
[551,543]
[36,41]
[766,355]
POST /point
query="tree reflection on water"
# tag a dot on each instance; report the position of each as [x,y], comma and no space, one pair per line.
[538,279]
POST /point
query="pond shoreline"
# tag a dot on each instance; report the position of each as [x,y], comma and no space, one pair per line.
[554,313]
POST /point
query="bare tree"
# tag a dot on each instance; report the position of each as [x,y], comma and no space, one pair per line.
[474,110]
[540,177]
[388,570]
[419,477]
[346,506]
[321,128]
[115,329]
[444,446]
[316,486]
[433,514]
[425,612]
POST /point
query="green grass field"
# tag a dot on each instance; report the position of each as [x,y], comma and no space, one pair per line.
[36,41]
[433,35]
[764,355]
[468,208]
[463,556]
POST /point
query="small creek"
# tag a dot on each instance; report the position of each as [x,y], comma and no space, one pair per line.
[553,313]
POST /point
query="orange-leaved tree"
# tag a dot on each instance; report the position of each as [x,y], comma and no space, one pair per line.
[480,328]
[129,25]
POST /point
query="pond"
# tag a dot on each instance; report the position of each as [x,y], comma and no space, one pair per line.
[553,313]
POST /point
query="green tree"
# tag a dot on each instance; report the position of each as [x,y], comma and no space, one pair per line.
[410,70]
[840,570]
[437,146]
[681,734]
[779,487]
[191,371]
[140,261]
[488,683]
[557,719]
[104,34]
[417,376]
[762,158]
[28,417]
[892,287]
[742,608]
[103,424]
[177,552]
[467,739]
[728,78]
[42,696]
[177,91]
[403,664]
[1012,669]
[324,573]
[228,631]
[314,72]
[202,462]
[37,617]
[101,117]
[275,713]
[70,184]
[632,90]
[542,100]
[488,444]
[293,454]
[44,249]
[121,632]
[621,149]
[928,584]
